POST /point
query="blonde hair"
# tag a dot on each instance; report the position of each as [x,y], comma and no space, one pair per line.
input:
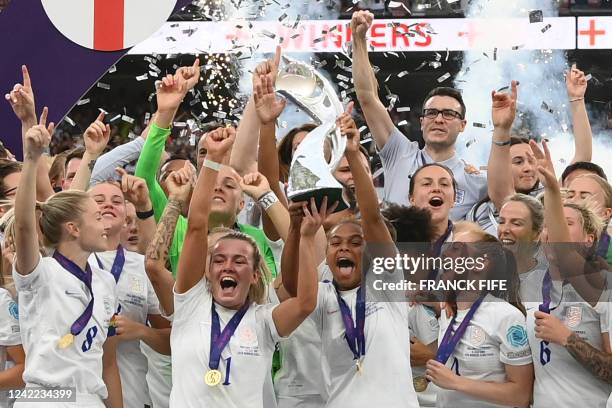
[605,187]
[591,222]
[257,292]
[60,208]
[535,207]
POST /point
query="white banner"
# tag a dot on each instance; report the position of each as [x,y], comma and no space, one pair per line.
[400,35]
[594,32]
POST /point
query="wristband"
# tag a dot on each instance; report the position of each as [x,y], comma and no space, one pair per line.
[506,143]
[267,200]
[143,215]
[212,165]
[577,99]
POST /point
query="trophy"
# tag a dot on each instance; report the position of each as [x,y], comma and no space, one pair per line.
[310,174]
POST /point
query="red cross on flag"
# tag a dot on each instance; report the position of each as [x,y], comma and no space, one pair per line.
[595,32]
[108,25]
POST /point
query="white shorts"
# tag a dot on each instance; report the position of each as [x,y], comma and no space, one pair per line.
[301,401]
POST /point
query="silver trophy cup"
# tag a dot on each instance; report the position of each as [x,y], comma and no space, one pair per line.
[310,174]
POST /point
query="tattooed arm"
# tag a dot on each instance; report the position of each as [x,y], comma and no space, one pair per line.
[157,255]
[598,362]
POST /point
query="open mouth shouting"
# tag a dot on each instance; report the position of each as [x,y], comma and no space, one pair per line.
[228,285]
[346,266]
[436,201]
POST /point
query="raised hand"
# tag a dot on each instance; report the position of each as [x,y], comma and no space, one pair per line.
[313,218]
[96,136]
[180,183]
[361,23]
[348,128]
[135,190]
[545,167]
[172,90]
[219,142]
[255,185]
[576,83]
[268,68]
[38,137]
[267,105]
[191,74]
[21,98]
[504,107]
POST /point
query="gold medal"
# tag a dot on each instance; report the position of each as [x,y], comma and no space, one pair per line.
[212,378]
[420,383]
[66,341]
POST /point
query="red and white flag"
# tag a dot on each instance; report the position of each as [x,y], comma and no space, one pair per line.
[108,25]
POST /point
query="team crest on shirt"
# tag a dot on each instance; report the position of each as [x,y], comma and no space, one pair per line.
[517,336]
[248,345]
[477,336]
[136,285]
[459,197]
[13,310]
[573,316]
[108,305]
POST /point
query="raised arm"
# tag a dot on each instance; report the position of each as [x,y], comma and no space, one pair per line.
[105,166]
[179,186]
[287,281]
[96,138]
[373,223]
[499,172]
[292,312]
[366,85]
[35,141]
[136,192]
[244,154]
[258,188]
[583,136]
[192,263]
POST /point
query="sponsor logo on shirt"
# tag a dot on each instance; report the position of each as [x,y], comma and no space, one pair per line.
[519,354]
[573,316]
[13,310]
[517,336]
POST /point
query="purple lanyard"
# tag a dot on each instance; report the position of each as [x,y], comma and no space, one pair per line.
[84,276]
[118,263]
[353,332]
[546,288]
[437,249]
[218,338]
[604,244]
[450,339]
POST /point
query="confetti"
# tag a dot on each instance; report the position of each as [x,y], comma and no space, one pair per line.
[282,17]
[402,123]
[435,64]
[517,47]
[547,108]
[142,77]
[70,121]
[115,118]
[361,129]
[366,140]
[171,39]
[479,125]
[444,77]
[536,16]
[153,74]
[470,142]
[545,29]
[219,115]
[495,54]
[127,119]
[342,77]
[83,102]
[179,124]
[147,117]
[112,69]
[588,77]
[103,85]
[402,74]
[403,109]
[395,4]
[268,34]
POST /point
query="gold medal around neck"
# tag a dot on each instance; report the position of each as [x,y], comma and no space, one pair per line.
[66,341]
[212,378]
[420,383]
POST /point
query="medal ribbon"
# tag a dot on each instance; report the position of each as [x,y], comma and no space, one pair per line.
[437,248]
[604,244]
[450,339]
[85,277]
[118,263]
[354,332]
[218,338]
[546,288]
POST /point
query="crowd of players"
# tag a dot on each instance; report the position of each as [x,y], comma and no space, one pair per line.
[151,290]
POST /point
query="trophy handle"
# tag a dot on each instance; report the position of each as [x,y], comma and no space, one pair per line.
[338,142]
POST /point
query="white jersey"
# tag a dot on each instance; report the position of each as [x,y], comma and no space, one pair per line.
[531,283]
[560,380]
[423,325]
[301,375]
[159,376]
[9,333]
[246,361]
[496,336]
[386,376]
[50,300]
[137,300]
[609,404]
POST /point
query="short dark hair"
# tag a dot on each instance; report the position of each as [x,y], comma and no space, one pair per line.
[583,165]
[446,91]
[76,153]
[515,140]
[413,177]
[285,147]
[411,224]
[4,152]
[7,167]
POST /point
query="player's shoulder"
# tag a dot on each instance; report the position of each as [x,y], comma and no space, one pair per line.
[500,311]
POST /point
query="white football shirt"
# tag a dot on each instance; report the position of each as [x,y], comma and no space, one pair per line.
[9,332]
[423,325]
[159,376]
[50,300]
[137,300]
[560,380]
[246,362]
[496,336]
